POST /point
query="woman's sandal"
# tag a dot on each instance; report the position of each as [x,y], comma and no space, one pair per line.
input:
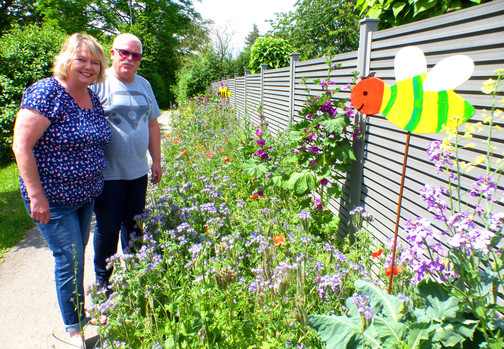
[101,321]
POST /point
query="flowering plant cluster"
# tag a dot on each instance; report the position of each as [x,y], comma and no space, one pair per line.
[229,258]
[217,266]
[323,141]
[463,250]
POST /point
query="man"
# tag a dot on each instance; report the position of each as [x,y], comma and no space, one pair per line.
[132,111]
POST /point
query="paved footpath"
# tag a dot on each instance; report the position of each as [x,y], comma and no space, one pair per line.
[29,312]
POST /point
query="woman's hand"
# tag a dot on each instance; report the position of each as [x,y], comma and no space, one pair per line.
[39,208]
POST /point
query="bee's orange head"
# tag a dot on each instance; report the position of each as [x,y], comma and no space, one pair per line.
[367,95]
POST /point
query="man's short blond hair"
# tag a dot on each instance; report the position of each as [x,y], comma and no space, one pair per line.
[69,51]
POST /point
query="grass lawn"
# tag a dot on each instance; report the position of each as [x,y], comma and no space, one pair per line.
[14,220]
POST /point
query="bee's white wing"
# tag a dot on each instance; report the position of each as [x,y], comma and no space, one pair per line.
[409,62]
[449,73]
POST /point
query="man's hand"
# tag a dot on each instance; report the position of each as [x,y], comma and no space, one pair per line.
[156,173]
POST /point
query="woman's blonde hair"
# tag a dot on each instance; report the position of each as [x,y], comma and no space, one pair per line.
[70,49]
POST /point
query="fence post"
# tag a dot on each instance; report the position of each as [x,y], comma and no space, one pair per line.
[367,27]
[234,91]
[294,58]
[245,93]
[264,67]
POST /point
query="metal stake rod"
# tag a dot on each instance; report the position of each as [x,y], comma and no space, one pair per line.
[406,148]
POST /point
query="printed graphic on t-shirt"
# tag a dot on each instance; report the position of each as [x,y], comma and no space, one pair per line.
[128,107]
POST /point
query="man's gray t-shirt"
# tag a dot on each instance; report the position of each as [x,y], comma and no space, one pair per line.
[129,107]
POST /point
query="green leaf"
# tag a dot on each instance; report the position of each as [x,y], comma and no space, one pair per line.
[301,182]
[343,152]
[388,330]
[337,125]
[419,333]
[253,169]
[439,303]
[450,334]
[397,8]
[380,301]
[337,331]
[334,191]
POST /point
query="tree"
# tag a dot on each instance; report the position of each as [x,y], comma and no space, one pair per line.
[393,13]
[252,37]
[221,38]
[199,72]
[168,30]
[33,47]
[17,12]
[319,27]
[273,52]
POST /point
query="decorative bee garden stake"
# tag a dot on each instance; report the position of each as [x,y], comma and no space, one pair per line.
[224,93]
[418,102]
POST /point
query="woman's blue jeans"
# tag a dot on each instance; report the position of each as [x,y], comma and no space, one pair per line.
[67,234]
[115,209]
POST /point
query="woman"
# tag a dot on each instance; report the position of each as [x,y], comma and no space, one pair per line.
[59,140]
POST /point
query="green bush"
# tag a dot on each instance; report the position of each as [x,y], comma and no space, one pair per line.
[198,73]
[26,55]
[273,52]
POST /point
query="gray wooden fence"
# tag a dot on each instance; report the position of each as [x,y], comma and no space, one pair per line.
[374,180]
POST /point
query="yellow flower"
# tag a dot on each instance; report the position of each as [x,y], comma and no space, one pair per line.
[479,160]
[497,128]
[486,118]
[470,145]
[488,87]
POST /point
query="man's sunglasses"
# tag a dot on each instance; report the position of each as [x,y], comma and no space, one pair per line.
[135,56]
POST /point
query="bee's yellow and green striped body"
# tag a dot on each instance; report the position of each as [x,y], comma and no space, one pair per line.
[409,107]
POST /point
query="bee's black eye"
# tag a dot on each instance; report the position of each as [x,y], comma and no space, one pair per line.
[364,93]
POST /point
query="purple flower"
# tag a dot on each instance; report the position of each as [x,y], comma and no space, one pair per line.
[362,303]
[259,152]
[440,157]
[258,132]
[324,181]
[484,187]
[304,215]
[435,203]
[318,204]
[261,142]
[315,149]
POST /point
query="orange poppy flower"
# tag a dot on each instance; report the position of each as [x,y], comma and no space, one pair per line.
[377,253]
[179,132]
[226,159]
[397,270]
[255,196]
[279,240]
[183,153]
[167,136]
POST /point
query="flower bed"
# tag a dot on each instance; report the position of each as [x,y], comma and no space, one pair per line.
[240,250]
